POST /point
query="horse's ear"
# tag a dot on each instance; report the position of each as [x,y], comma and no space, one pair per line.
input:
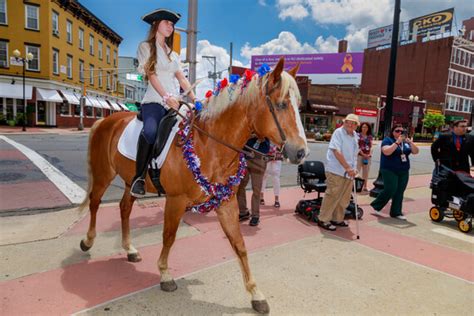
[293,71]
[276,73]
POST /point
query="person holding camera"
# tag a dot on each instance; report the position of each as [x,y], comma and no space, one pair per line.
[394,167]
[364,157]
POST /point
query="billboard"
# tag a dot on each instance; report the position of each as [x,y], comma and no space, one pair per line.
[337,68]
[383,35]
[438,22]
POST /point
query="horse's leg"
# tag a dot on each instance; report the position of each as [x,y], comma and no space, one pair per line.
[98,190]
[228,215]
[174,210]
[126,205]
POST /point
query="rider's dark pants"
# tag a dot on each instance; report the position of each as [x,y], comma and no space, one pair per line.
[152,113]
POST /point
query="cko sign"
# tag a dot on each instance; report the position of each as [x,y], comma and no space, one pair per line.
[434,23]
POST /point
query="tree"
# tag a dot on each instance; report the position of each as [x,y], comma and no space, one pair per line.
[433,120]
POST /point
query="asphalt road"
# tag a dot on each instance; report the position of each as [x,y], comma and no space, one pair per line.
[68,153]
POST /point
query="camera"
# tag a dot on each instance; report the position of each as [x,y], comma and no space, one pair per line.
[404,133]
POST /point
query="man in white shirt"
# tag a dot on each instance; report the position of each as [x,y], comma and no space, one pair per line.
[341,168]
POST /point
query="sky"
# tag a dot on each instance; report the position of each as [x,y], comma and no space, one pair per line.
[257,27]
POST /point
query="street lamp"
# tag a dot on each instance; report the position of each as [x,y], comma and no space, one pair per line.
[24,61]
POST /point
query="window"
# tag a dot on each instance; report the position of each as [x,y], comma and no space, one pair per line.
[115,58]
[463,54]
[3,12]
[65,109]
[32,17]
[100,48]
[69,66]
[88,111]
[450,80]
[466,105]
[55,20]
[55,61]
[91,45]
[91,74]
[81,38]
[81,70]
[33,64]
[99,112]
[455,81]
[100,78]
[69,31]
[3,54]
[108,81]
[107,54]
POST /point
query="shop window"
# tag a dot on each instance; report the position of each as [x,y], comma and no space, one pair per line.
[77,110]
[9,106]
[65,109]
[99,112]
[88,111]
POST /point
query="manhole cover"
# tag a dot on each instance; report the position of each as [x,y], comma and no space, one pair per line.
[9,162]
[11,176]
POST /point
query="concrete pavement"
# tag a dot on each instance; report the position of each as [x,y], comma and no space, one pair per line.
[396,267]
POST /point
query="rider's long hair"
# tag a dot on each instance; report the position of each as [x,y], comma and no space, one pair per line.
[151,40]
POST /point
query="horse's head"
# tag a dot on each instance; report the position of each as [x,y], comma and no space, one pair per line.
[277,116]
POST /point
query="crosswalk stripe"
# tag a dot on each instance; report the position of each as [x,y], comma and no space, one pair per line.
[453,234]
[71,190]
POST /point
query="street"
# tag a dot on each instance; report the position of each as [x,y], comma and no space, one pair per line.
[68,153]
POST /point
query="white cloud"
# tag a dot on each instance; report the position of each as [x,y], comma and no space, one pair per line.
[205,48]
[286,43]
[294,12]
[328,45]
[262,3]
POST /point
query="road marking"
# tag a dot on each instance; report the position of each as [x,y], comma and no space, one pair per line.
[457,235]
[71,190]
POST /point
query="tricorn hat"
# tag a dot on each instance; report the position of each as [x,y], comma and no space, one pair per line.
[161,14]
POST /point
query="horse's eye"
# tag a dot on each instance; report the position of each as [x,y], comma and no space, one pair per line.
[281,106]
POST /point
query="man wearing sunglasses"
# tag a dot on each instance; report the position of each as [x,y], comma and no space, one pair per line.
[454,149]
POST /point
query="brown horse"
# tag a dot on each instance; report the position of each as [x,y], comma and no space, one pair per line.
[239,110]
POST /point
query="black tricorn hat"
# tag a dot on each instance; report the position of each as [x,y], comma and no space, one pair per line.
[161,14]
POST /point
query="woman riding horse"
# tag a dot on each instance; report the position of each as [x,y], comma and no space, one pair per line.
[160,65]
[266,105]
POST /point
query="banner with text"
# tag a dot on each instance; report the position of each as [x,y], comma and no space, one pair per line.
[337,68]
[433,23]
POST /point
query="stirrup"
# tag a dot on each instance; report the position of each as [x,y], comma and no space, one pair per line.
[133,189]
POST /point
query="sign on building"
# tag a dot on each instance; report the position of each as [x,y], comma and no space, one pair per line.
[365,112]
[433,23]
[383,35]
[134,77]
[337,68]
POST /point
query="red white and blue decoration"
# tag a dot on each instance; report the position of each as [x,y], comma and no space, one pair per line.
[216,192]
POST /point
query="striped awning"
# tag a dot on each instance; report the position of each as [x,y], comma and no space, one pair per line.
[70,97]
[48,95]
[104,103]
[88,102]
[15,91]
[123,106]
[114,105]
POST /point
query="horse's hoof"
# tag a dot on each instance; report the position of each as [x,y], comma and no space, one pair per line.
[261,307]
[134,257]
[169,286]
[84,247]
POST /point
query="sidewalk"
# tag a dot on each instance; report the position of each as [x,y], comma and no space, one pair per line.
[396,266]
[39,130]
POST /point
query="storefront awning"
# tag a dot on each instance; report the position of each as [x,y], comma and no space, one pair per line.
[103,103]
[323,107]
[70,97]
[88,102]
[15,91]
[114,105]
[48,95]
[123,106]
[95,102]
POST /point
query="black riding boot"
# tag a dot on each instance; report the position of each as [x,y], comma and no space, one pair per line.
[143,158]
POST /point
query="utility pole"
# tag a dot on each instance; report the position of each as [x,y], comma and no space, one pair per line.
[378,183]
[230,61]
[192,39]
[392,69]
[213,75]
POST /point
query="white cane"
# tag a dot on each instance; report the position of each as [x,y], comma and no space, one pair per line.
[356,208]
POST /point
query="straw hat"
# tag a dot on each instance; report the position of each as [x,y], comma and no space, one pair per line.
[353,118]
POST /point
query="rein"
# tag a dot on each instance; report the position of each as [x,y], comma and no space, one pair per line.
[248,151]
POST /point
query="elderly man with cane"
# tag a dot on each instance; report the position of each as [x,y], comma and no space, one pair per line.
[341,169]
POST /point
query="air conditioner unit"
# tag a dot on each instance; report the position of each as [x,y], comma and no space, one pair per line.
[3,64]
[56,32]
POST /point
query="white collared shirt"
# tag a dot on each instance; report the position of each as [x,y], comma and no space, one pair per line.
[165,70]
[349,147]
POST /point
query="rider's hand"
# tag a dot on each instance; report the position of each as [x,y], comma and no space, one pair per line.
[172,102]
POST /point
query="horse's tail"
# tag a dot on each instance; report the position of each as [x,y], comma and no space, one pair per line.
[85,202]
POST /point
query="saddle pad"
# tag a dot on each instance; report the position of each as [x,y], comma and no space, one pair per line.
[128,141]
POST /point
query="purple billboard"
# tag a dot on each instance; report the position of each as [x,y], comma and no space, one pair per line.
[337,68]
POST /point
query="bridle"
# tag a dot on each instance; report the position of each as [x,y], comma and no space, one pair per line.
[248,151]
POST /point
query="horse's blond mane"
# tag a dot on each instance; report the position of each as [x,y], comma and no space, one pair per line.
[247,95]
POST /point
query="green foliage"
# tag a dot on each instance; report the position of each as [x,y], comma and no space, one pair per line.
[434,121]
